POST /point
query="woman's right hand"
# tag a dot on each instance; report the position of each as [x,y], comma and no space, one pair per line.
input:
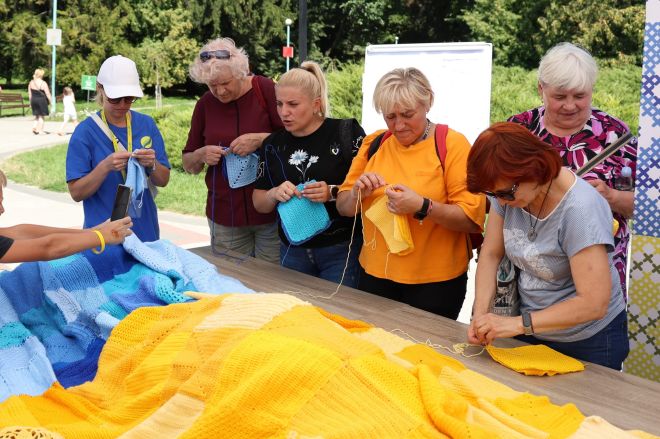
[285,192]
[211,154]
[367,183]
[117,161]
[114,232]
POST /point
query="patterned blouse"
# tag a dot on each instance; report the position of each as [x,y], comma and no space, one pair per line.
[575,150]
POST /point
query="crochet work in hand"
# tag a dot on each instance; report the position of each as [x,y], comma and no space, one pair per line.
[302,219]
[240,171]
[271,365]
[394,228]
[56,316]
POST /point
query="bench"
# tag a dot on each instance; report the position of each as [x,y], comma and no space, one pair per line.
[12,100]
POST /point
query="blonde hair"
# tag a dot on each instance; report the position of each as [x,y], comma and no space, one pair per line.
[38,74]
[67,91]
[310,79]
[406,87]
[568,67]
[204,71]
[3,179]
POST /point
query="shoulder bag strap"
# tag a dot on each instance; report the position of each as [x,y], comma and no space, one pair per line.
[106,130]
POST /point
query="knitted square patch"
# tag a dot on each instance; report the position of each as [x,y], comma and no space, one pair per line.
[240,171]
[302,219]
[535,360]
[394,228]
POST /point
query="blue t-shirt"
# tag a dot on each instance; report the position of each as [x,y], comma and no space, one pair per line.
[89,146]
[581,219]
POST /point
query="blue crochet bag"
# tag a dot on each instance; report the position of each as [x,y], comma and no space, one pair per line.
[240,171]
[302,219]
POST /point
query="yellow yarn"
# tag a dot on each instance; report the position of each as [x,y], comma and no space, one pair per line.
[394,228]
[272,365]
[535,360]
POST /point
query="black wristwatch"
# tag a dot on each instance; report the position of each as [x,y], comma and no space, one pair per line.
[528,328]
[421,213]
[334,190]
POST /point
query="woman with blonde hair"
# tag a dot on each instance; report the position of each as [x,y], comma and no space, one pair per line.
[428,200]
[310,158]
[234,116]
[39,95]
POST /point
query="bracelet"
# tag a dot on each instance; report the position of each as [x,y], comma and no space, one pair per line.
[102,247]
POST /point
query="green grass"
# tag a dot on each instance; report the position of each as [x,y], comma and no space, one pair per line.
[513,90]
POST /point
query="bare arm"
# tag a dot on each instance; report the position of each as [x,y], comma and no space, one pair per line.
[159,174]
[193,162]
[84,187]
[247,143]
[347,201]
[621,202]
[41,243]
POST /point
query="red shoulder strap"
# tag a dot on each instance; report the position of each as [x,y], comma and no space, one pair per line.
[441,143]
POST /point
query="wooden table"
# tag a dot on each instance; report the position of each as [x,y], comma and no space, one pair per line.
[624,400]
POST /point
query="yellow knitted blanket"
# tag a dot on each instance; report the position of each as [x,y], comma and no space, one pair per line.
[274,366]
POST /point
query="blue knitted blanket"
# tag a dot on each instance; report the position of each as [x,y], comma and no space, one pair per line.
[56,316]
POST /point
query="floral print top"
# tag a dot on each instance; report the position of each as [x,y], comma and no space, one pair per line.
[577,149]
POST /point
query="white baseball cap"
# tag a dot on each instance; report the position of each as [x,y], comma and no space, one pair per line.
[119,77]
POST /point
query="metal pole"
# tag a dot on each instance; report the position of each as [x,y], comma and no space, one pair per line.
[288,40]
[52,76]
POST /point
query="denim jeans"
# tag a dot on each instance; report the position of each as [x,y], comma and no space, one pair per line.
[325,262]
[609,347]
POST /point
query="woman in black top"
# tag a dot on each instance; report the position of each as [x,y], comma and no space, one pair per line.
[315,151]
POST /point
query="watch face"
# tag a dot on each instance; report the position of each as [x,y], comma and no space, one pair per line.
[334,190]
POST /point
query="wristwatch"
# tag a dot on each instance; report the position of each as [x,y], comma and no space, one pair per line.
[334,190]
[421,213]
[528,328]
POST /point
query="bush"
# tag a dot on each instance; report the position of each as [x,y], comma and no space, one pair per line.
[345,91]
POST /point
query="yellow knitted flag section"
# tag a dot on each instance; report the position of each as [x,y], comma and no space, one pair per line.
[395,228]
[535,360]
[274,366]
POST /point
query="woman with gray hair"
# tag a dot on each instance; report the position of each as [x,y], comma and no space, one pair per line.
[567,121]
[234,116]
[399,177]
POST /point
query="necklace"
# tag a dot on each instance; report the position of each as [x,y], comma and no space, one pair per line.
[531,234]
[426,131]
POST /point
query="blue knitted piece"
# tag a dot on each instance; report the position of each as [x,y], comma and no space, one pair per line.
[302,219]
[136,179]
[56,316]
[240,171]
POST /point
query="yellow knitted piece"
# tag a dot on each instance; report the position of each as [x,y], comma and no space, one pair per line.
[394,228]
[273,366]
[535,360]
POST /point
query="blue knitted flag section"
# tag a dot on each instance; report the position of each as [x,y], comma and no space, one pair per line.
[302,219]
[56,316]
[240,171]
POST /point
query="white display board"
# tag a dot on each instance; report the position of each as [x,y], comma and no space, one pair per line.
[460,74]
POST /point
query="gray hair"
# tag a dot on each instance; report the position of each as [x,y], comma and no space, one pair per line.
[310,79]
[568,67]
[408,87]
[238,63]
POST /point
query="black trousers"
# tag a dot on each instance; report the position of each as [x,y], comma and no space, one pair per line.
[443,298]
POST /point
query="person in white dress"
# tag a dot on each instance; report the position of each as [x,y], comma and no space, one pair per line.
[70,114]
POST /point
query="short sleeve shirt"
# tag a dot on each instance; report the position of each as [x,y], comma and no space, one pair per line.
[581,219]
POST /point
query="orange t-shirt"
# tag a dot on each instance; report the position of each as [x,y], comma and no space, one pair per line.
[440,254]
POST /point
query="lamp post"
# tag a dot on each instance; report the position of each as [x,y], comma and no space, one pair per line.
[288,23]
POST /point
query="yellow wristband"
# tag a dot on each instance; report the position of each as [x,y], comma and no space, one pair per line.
[102,247]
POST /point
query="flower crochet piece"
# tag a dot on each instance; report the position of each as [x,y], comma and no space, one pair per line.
[302,219]
[535,360]
[272,365]
[240,171]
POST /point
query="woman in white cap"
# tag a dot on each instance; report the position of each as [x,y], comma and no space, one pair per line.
[100,148]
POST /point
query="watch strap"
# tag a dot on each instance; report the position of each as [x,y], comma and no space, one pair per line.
[528,327]
[424,211]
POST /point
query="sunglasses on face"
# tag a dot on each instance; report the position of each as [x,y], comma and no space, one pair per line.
[217,54]
[509,195]
[126,99]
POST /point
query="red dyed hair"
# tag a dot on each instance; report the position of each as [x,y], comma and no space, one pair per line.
[508,151]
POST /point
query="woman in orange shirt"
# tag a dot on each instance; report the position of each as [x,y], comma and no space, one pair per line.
[429,199]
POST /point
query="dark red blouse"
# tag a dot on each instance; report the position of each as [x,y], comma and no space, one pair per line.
[215,123]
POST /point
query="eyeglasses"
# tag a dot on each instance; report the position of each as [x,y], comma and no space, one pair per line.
[218,54]
[126,99]
[509,195]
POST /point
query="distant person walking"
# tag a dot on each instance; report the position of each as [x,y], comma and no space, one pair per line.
[70,114]
[39,95]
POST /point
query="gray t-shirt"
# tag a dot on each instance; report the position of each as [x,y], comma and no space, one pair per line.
[581,219]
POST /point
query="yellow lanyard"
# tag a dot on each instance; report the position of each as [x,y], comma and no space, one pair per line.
[129,134]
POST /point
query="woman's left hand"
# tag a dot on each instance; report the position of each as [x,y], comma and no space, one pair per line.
[246,144]
[487,327]
[317,192]
[602,188]
[402,200]
[145,157]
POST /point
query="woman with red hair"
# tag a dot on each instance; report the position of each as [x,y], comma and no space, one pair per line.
[557,231]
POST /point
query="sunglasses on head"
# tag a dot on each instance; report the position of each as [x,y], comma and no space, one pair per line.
[217,54]
[509,195]
[126,99]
